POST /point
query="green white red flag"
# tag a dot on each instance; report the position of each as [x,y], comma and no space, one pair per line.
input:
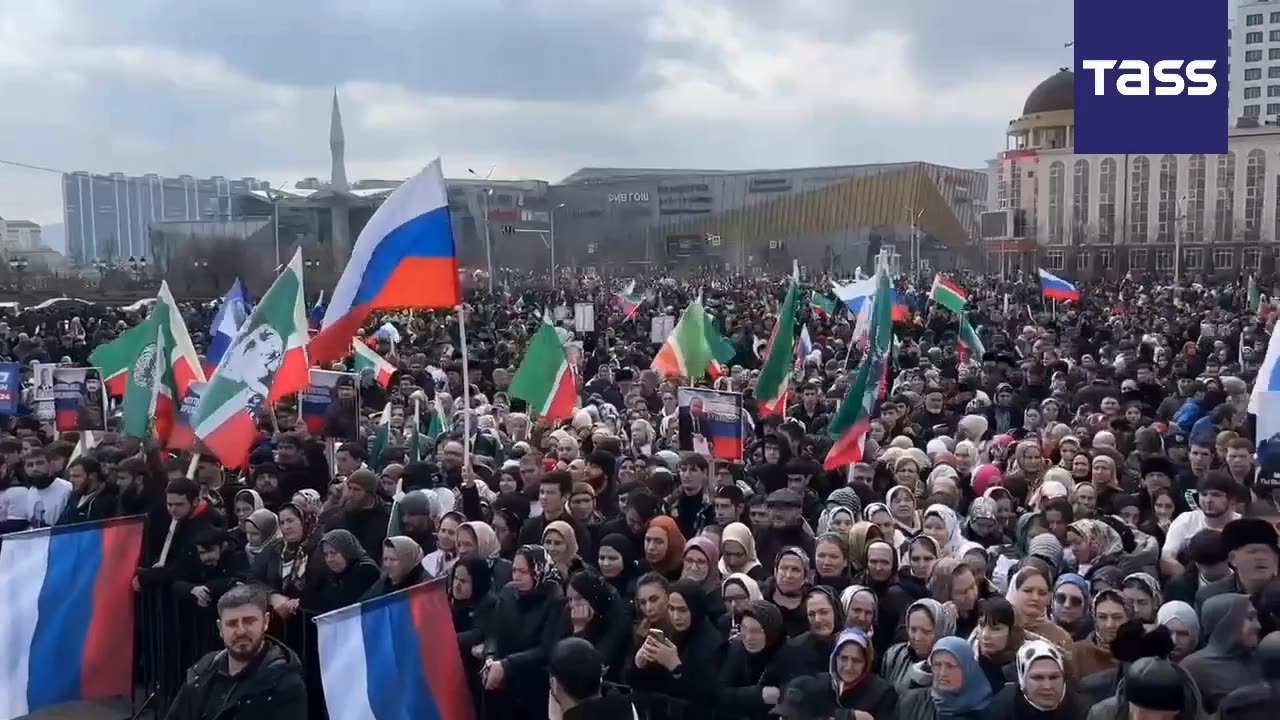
[969,339]
[686,353]
[367,359]
[629,300]
[545,379]
[948,294]
[775,376]
[117,357]
[852,422]
[163,368]
[267,361]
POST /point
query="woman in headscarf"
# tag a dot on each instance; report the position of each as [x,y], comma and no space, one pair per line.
[619,564]
[857,689]
[1041,690]
[288,568]
[996,640]
[261,530]
[1227,660]
[401,567]
[1029,595]
[530,617]
[471,603]
[1008,557]
[861,535]
[919,557]
[246,502]
[752,678]
[478,539]
[808,653]
[561,543]
[881,576]
[349,573]
[842,509]
[682,666]
[702,565]
[905,664]
[957,691]
[902,506]
[738,591]
[941,523]
[664,547]
[1071,606]
[1098,549]
[831,561]
[599,616]
[862,611]
[787,587]
[1111,609]
[1183,624]
[982,525]
[878,515]
[738,553]
[955,582]
[1143,593]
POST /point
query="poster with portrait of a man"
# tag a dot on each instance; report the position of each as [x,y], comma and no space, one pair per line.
[79,399]
[709,422]
[331,405]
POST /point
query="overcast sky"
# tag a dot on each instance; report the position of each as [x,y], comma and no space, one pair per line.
[538,88]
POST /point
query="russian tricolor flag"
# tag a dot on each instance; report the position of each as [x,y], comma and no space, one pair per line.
[1055,288]
[226,324]
[394,658]
[857,294]
[66,632]
[404,258]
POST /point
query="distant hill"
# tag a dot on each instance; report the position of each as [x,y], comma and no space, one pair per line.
[55,236]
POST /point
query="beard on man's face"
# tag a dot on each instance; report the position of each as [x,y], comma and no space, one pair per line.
[244,649]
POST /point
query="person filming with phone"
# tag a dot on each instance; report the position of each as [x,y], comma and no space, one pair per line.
[677,666]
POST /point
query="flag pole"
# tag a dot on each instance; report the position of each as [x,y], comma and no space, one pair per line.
[466,389]
[417,428]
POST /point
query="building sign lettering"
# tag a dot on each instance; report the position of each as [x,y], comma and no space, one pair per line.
[629,197]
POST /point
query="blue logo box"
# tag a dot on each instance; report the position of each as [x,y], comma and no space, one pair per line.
[1151,76]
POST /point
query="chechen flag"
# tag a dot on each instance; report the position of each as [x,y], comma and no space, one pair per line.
[544,379]
[947,294]
[117,357]
[267,361]
[165,369]
[688,352]
[404,258]
[775,376]
[367,359]
[852,422]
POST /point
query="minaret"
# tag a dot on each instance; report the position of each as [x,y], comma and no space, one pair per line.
[339,212]
[337,146]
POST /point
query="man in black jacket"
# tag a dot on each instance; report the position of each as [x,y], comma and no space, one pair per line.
[92,496]
[253,678]
[576,668]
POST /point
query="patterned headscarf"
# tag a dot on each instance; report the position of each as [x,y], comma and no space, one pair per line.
[1101,538]
[544,570]
[1031,651]
[943,616]
[983,508]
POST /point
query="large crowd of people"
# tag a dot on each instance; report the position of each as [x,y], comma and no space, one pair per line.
[1076,522]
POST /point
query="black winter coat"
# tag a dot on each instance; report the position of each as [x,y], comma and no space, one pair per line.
[100,506]
[522,633]
[742,680]
[697,688]
[270,688]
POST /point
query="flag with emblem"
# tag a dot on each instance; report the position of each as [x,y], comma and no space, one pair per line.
[822,304]
[722,350]
[117,357]
[267,361]
[163,369]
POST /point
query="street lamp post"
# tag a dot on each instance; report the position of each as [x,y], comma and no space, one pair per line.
[1177,242]
[19,265]
[484,208]
[552,244]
